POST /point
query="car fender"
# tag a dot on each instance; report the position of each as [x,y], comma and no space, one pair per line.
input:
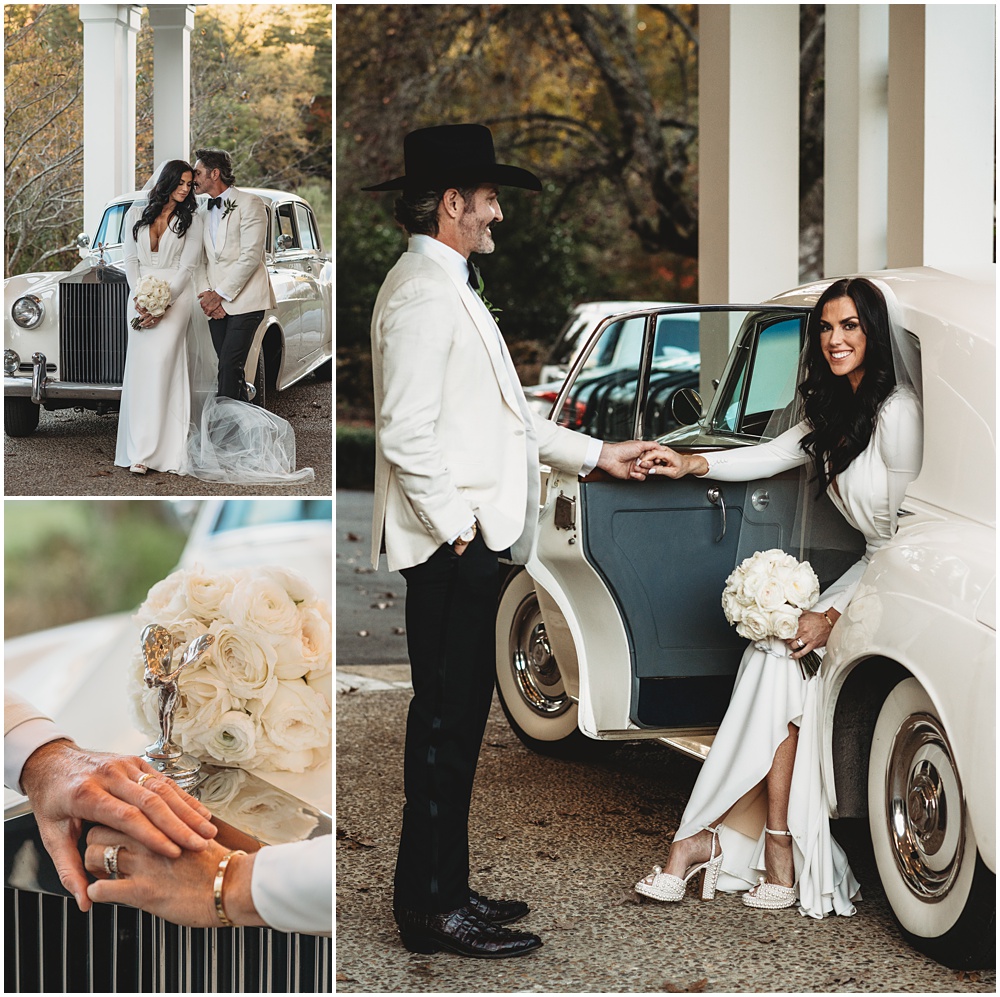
[921,605]
[45,335]
[604,693]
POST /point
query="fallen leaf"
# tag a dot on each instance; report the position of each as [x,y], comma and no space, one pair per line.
[344,978]
[390,595]
[362,633]
[692,988]
[100,474]
[627,898]
[381,605]
[500,837]
[398,631]
[364,571]
[353,538]
[554,856]
[539,823]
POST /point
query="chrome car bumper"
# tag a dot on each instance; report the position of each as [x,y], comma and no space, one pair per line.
[52,947]
[40,388]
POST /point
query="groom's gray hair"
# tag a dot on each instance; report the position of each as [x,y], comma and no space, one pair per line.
[218,159]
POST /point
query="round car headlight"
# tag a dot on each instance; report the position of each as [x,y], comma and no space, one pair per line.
[11,362]
[27,311]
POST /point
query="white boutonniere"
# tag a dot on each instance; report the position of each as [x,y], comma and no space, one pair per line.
[229,206]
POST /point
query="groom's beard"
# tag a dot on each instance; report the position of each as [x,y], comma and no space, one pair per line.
[478,233]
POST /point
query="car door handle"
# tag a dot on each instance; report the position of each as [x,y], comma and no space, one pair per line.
[714,495]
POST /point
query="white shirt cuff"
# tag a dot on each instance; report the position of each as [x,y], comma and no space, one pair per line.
[593,456]
[21,741]
[292,885]
[461,531]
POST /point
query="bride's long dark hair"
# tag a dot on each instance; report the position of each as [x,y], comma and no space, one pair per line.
[169,181]
[842,419]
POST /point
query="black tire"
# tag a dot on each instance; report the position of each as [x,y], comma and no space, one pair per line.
[324,372]
[941,892]
[529,682]
[260,380]
[20,416]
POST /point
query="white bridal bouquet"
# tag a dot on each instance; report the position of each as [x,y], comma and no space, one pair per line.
[154,295]
[261,697]
[765,596]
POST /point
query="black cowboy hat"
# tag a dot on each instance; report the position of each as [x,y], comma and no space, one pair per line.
[454,156]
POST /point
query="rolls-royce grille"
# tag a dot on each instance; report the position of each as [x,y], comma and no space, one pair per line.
[52,947]
[92,331]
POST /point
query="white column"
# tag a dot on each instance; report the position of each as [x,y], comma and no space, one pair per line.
[941,135]
[109,32]
[855,185]
[748,212]
[172,25]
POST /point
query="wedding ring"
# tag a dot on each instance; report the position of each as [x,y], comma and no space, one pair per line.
[111,860]
[143,778]
[802,643]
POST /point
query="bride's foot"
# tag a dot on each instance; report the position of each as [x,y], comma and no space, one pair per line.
[699,853]
[138,469]
[777,890]
[778,861]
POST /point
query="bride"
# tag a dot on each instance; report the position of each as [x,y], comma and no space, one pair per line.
[170,418]
[758,806]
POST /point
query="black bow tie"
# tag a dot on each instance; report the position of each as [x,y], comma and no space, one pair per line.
[475,278]
[214,202]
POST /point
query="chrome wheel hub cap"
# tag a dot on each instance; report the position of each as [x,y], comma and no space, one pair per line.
[533,665]
[925,807]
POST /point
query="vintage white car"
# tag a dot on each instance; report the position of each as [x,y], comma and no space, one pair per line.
[614,630]
[77,674]
[65,334]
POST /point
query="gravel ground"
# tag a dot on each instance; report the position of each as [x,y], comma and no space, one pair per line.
[571,839]
[73,453]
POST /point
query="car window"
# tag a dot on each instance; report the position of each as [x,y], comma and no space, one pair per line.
[601,401]
[110,230]
[238,515]
[286,225]
[307,227]
[762,375]
[676,337]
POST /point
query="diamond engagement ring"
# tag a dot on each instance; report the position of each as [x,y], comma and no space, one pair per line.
[802,643]
[111,860]
[143,778]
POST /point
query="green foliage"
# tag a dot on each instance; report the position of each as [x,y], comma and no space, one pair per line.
[356,457]
[71,560]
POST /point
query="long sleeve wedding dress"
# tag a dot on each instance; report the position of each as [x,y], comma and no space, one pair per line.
[770,692]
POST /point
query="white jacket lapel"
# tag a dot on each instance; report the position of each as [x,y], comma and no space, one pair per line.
[490,334]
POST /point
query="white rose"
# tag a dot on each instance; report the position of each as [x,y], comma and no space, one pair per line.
[220,788]
[755,577]
[165,602]
[206,696]
[803,588]
[784,624]
[298,588]
[262,604]
[753,625]
[232,739]
[771,595]
[296,719]
[247,658]
[205,594]
[310,651]
[731,607]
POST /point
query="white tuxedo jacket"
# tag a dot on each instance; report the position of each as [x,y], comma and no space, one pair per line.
[455,440]
[235,263]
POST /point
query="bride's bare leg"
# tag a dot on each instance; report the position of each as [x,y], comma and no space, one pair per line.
[778,862]
[687,852]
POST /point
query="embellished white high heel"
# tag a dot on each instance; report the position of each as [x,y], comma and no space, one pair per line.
[770,896]
[660,885]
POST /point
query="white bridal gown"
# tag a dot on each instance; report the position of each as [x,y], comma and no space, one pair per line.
[155,414]
[770,692]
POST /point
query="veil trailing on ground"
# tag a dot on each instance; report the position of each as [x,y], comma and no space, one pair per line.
[229,441]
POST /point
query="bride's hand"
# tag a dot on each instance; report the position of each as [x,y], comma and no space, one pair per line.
[814,631]
[668,463]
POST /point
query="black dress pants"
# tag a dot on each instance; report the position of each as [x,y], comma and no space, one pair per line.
[451,603]
[231,337]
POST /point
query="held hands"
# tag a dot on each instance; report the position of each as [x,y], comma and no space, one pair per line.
[68,785]
[178,889]
[146,319]
[211,304]
[668,463]
[628,459]
[814,631]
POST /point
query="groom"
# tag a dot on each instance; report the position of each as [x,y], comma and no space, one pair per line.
[240,290]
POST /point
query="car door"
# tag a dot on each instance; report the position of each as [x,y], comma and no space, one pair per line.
[630,575]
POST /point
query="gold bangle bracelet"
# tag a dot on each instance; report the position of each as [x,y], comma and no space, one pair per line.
[826,617]
[220,875]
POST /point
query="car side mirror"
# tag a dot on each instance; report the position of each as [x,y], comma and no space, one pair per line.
[284,242]
[83,240]
[686,406]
